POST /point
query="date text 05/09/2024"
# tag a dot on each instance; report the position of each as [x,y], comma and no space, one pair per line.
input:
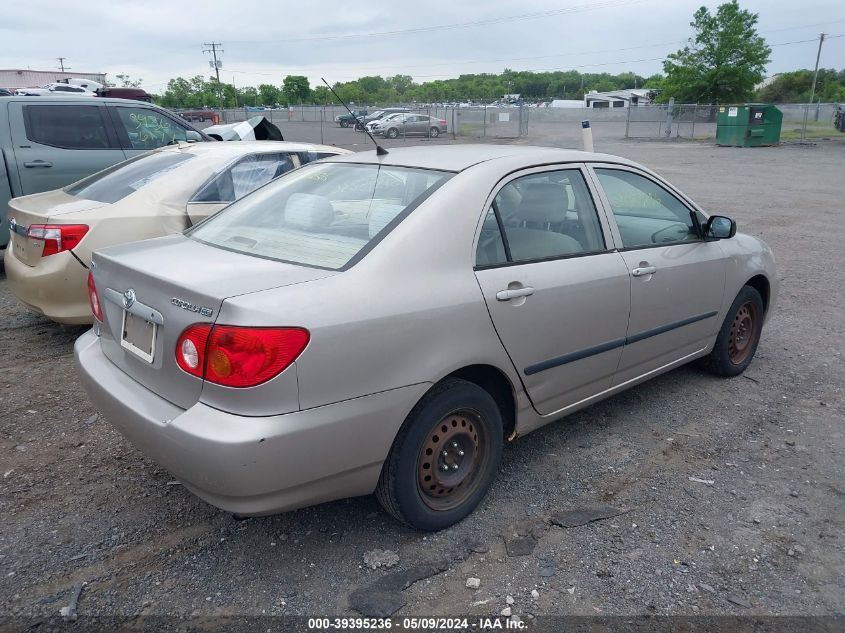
[457,624]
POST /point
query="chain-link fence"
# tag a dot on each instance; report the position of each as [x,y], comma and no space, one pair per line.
[560,126]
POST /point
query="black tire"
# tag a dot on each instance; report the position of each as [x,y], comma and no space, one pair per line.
[344,123]
[465,410]
[434,132]
[739,335]
[392,133]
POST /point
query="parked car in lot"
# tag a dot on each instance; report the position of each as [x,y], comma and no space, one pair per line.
[383,323]
[161,192]
[48,143]
[409,125]
[346,119]
[55,89]
[378,114]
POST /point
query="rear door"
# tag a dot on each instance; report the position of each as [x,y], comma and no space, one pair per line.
[141,128]
[556,290]
[677,279]
[56,144]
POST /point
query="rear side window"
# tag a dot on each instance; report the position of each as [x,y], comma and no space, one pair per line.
[325,214]
[118,181]
[144,128]
[545,215]
[66,126]
[246,175]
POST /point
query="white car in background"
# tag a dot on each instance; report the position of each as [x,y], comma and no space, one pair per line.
[55,89]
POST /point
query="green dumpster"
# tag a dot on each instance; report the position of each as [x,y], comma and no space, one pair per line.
[749,125]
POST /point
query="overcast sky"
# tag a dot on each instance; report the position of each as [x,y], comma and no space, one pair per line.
[159,39]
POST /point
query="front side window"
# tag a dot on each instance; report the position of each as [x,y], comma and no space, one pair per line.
[118,181]
[66,126]
[323,214]
[246,175]
[545,215]
[144,128]
[646,214]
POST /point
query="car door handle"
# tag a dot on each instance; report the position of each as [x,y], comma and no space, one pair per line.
[38,163]
[514,293]
[644,270]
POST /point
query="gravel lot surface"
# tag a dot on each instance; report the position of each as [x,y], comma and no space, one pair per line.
[759,529]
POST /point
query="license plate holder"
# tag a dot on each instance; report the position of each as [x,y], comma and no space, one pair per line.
[138,335]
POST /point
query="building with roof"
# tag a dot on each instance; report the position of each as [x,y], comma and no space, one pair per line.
[14,78]
[618,98]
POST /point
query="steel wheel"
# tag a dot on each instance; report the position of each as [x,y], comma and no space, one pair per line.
[739,335]
[444,457]
[743,333]
[392,133]
[450,460]
[435,132]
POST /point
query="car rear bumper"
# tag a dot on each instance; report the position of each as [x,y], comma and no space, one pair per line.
[55,287]
[252,465]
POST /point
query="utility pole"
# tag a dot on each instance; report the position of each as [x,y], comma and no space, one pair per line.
[214,48]
[61,61]
[813,87]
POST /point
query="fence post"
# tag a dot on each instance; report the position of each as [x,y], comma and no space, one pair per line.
[322,116]
[484,125]
[694,116]
[627,120]
[669,111]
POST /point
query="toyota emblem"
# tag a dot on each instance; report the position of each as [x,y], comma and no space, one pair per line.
[128,298]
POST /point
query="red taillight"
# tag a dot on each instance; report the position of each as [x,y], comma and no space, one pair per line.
[442,121]
[94,298]
[238,356]
[57,237]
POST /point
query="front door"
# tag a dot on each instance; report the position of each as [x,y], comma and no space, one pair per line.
[57,144]
[557,293]
[677,279]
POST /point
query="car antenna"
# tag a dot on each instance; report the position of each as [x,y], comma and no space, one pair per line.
[379,149]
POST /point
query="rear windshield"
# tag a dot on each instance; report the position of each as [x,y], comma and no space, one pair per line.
[117,182]
[323,214]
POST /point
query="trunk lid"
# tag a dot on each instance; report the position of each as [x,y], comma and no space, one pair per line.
[40,208]
[176,282]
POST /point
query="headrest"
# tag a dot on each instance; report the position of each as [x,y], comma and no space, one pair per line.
[543,202]
[308,211]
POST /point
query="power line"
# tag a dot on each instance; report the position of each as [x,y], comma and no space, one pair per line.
[459,25]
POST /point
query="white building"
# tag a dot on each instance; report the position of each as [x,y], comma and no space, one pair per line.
[617,98]
[13,78]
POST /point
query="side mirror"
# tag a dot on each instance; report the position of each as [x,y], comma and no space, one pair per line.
[719,227]
[192,136]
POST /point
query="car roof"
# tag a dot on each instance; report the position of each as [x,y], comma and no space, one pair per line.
[76,101]
[460,157]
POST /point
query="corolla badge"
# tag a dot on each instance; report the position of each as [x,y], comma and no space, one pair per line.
[192,307]
[128,298]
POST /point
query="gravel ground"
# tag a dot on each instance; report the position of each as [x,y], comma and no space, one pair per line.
[81,505]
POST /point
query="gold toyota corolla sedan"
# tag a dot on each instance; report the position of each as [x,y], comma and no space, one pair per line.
[384,322]
[54,233]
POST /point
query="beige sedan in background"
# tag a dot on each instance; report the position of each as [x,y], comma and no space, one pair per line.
[54,233]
